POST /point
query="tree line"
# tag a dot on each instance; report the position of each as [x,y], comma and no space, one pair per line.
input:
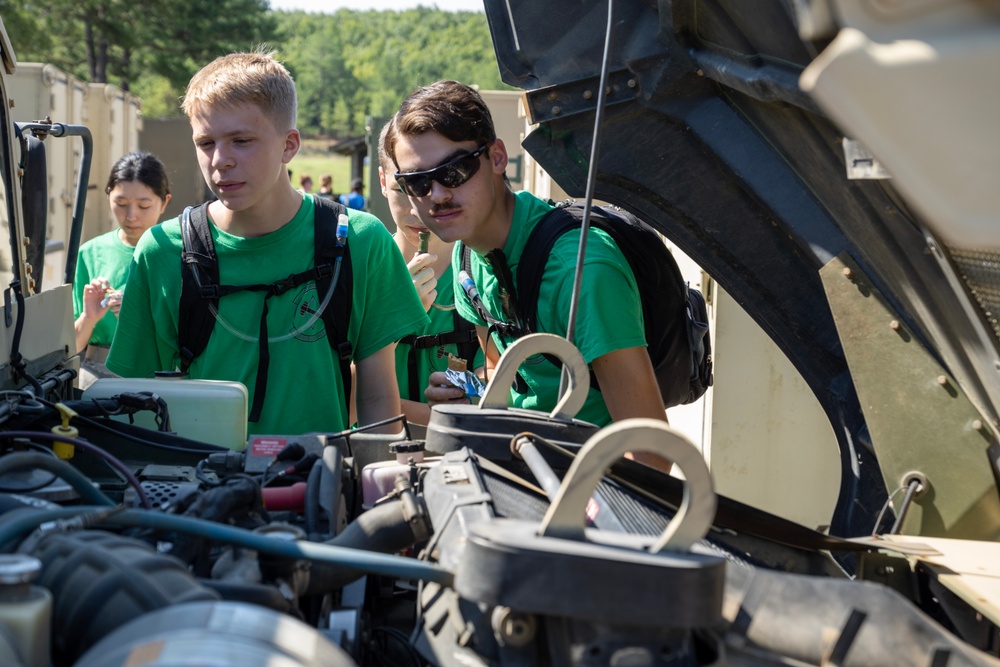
[348,65]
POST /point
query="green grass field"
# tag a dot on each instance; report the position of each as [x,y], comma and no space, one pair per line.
[314,159]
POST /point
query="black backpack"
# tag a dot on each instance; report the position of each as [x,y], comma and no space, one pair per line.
[674,314]
[201,288]
[464,338]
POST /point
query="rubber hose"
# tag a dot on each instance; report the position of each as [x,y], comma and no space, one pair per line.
[87,447]
[333,554]
[383,529]
[312,500]
[38,461]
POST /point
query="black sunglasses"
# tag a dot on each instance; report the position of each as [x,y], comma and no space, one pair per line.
[451,174]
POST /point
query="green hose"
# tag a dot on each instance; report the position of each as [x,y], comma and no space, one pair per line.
[357,559]
[36,461]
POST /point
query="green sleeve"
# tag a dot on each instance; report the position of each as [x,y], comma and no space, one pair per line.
[139,348]
[386,305]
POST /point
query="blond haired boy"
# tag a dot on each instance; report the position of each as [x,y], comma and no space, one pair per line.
[242,108]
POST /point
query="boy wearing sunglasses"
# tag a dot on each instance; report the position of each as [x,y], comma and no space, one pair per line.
[242,109]
[429,261]
[451,165]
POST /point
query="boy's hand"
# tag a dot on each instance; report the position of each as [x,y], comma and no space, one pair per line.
[440,390]
[423,277]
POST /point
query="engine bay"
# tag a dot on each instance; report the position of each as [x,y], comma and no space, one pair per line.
[141,525]
[503,537]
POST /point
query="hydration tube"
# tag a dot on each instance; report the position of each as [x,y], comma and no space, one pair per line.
[342,230]
[469,285]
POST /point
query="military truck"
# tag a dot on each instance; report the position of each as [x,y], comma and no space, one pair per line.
[831,164]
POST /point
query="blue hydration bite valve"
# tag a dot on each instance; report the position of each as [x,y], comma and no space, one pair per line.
[341,230]
[468,285]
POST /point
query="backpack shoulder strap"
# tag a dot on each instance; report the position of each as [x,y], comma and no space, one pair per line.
[463,335]
[565,216]
[337,313]
[199,284]
[536,252]
[466,339]
[498,261]
[201,290]
[465,252]
[505,329]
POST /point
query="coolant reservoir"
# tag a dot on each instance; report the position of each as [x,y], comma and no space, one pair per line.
[377,479]
[25,610]
[212,411]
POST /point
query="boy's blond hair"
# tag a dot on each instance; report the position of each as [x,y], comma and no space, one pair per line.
[239,78]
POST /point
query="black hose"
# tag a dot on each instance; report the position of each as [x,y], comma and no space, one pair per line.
[86,408]
[36,461]
[16,360]
[312,500]
[387,528]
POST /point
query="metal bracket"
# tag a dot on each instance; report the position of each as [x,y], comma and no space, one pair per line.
[861,164]
[576,97]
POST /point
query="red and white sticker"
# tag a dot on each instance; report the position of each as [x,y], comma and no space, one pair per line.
[267,446]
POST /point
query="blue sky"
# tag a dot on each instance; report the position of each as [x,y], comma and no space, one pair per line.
[330,6]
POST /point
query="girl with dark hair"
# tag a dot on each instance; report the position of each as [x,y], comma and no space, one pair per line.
[138,191]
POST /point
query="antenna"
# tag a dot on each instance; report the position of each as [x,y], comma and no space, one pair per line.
[591,177]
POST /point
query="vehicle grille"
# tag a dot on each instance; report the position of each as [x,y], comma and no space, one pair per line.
[980,271]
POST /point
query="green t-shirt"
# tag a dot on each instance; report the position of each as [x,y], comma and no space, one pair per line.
[304,387]
[609,315]
[104,256]
[442,320]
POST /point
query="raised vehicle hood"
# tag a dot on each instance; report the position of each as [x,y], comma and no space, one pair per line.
[753,135]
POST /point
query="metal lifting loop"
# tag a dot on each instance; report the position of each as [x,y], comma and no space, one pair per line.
[569,404]
[565,518]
